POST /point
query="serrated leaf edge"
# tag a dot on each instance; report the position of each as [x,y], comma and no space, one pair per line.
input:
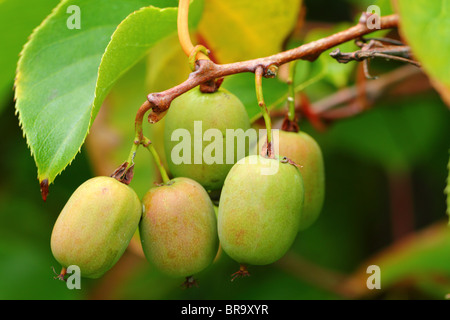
[17,84]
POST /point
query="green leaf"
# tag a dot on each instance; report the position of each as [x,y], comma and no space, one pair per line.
[425,26]
[18,18]
[64,74]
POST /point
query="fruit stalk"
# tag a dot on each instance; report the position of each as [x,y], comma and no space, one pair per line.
[139,136]
[259,95]
[290,120]
[132,154]
[141,139]
[291,92]
[148,144]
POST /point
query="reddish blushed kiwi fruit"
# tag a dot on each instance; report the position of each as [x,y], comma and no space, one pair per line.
[178,229]
[220,110]
[304,151]
[96,225]
[260,210]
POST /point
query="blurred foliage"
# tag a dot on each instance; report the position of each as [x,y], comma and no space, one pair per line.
[401,135]
[26,222]
[397,135]
[447,189]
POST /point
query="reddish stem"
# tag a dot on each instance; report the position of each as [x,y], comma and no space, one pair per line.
[242,272]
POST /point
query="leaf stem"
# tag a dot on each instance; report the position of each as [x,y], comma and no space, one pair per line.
[183,30]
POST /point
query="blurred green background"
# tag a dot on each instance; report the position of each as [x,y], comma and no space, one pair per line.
[386,171]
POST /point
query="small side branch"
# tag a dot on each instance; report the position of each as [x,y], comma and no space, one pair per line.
[376,48]
[399,53]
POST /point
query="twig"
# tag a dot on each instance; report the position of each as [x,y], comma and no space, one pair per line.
[208,70]
[376,48]
[388,52]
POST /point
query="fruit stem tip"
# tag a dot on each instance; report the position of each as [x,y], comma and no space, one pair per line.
[44,189]
[241,273]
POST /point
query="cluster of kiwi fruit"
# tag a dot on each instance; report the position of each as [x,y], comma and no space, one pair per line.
[258,217]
